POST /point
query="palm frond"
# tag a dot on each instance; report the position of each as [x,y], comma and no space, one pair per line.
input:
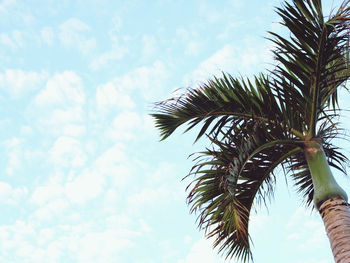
[229,178]
[221,102]
[314,60]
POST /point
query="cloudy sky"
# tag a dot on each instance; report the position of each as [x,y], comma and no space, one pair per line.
[84,177]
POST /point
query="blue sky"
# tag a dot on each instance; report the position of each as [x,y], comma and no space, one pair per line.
[84,177]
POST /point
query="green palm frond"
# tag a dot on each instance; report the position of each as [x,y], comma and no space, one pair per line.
[314,60]
[224,101]
[236,173]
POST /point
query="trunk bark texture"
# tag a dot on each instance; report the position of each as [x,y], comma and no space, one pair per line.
[335,213]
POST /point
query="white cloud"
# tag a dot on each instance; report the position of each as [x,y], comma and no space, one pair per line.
[183,34]
[108,97]
[187,239]
[234,60]
[11,195]
[227,32]
[306,230]
[313,261]
[125,126]
[18,82]
[202,251]
[70,27]
[5,4]
[103,178]
[46,235]
[26,130]
[149,80]
[16,234]
[162,186]
[5,190]
[117,50]
[43,194]
[51,210]
[117,24]
[258,222]
[108,168]
[86,186]
[111,199]
[222,60]
[111,155]
[149,196]
[84,242]
[164,173]
[144,226]
[236,3]
[19,240]
[101,247]
[123,221]
[149,125]
[116,53]
[54,251]
[15,155]
[67,152]
[149,46]
[61,105]
[112,161]
[47,35]
[62,89]
[209,12]
[14,39]
[73,34]
[298,216]
[193,48]
[74,130]
[68,118]
[188,38]
[6,40]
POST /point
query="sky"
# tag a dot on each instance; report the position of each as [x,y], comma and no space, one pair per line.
[83,175]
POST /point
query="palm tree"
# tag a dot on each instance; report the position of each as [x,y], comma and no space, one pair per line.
[286,118]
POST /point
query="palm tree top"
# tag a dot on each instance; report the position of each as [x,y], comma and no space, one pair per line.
[255,125]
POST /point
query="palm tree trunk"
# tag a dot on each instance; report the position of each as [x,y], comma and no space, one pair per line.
[330,200]
[335,213]
[324,183]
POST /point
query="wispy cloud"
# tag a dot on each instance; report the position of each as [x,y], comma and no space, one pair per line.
[306,230]
[116,53]
[74,34]
[5,4]
[61,100]
[232,59]
[18,82]
[47,35]
[202,251]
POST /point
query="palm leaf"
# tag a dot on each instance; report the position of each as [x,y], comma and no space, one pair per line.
[314,61]
[234,175]
[222,102]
